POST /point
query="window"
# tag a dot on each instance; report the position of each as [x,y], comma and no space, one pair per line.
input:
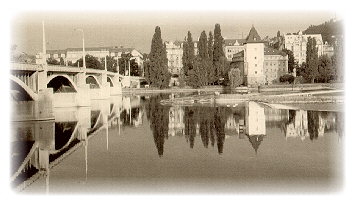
[255,57]
[255,65]
[255,72]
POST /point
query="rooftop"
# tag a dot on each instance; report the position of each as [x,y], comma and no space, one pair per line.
[253,36]
[272,51]
[107,48]
[231,42]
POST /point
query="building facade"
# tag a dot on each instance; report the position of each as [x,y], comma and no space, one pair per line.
[275,65]
[328,50]
[74,54]
[174,56]
[260,64]
[233,46]
[297,44]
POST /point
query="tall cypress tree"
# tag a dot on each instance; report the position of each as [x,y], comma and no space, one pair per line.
[312,60]
[218,53]
[188,54]
[218,44]
[157,74]
[210,45]
[210,70]
[202,46]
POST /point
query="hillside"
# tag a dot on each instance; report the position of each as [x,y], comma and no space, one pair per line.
[327,30]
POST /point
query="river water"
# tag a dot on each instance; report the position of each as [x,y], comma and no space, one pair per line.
[135,144]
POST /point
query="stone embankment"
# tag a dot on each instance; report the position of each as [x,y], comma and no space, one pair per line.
[321,96]
[172,90]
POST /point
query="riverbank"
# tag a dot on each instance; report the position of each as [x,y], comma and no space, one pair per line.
[314,97]
[172,90]
[277,88]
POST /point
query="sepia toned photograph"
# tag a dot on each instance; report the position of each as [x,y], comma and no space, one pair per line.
[226,101]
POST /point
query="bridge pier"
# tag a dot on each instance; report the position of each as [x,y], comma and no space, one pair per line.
[40,109]
[44,133]
[116,89]
[80,98]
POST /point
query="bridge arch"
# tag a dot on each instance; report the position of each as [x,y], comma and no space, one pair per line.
[62,83]
[26,93]
[110,81]
[92,81]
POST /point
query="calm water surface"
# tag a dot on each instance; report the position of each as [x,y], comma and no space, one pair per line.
[129,144]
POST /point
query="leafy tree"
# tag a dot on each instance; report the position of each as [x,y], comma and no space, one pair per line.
[326,69]
[124,63]
[111,63]
[291,63]
[337,59]
[157,73]
[278,34]
[198,76]
[235,77]
[286,78]
[52,61]
[91,62]
[311,71]
[62,62]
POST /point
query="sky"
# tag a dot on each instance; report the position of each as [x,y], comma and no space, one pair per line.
[135,28]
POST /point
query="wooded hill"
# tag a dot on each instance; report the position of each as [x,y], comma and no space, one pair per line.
[327,30]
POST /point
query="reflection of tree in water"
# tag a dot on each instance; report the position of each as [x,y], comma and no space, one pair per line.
[190,125]
[158,116]
[313,124]
[340,123]
[219,126]
[125,116]
[211,121]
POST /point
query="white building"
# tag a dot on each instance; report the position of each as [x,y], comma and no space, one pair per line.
[233,46]
[297,44]
[255,124]
[74,54]
[174,55]
[255,119]
[254,58]
[260,64]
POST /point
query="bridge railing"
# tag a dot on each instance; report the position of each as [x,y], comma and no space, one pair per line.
[25,66]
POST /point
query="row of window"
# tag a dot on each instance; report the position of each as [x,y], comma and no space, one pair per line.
[275,70]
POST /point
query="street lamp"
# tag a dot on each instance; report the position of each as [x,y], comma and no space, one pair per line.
[83,47]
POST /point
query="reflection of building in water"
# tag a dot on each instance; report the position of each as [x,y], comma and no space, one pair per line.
[298,125]
[255,125]
[176,125]
[137,117]
[255,119]
[275,117]
[234,125]
[322,125]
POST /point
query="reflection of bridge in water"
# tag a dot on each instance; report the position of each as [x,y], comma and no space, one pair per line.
[37,146]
